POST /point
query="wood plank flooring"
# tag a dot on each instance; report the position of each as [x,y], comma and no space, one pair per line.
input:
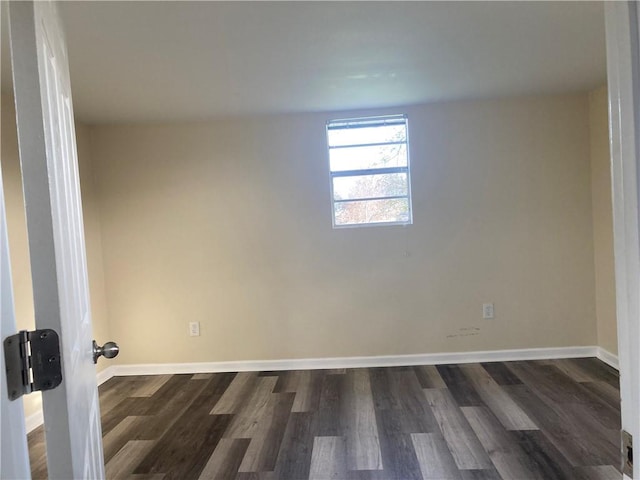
[552,419]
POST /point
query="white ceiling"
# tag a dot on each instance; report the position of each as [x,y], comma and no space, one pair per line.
[159,61]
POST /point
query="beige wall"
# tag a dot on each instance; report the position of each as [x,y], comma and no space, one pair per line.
[229,223]
[602,220]
[16,225]
[20,266]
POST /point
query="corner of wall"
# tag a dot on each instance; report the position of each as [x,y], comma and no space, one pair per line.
[602,220]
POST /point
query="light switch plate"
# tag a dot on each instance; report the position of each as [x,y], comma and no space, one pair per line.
[487,310]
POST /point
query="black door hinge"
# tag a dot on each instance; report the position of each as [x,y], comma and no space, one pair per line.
[32,361]
[627,454]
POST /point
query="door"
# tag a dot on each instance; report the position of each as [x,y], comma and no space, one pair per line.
[623,72]
[46,140]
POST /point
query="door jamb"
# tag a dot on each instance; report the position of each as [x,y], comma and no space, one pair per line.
[623,72]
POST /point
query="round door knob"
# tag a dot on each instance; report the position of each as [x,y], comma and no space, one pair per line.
[108,350]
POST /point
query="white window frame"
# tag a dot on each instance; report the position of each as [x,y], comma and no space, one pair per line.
[358,123]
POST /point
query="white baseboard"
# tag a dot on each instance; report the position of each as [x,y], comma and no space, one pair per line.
[356,362]
[105,374]
[607,357]
[35,420]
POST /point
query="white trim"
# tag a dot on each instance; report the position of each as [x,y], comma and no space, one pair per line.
[34,420]
[623,79]
[356,362]
[607,357]
[104,375]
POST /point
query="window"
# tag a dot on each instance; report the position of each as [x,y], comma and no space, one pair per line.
[369,163]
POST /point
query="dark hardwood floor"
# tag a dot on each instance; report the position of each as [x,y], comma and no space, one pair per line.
[554,419]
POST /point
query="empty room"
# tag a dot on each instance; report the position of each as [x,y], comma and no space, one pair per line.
[315,240]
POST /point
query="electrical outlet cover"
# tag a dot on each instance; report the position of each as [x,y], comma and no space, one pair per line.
[194,329]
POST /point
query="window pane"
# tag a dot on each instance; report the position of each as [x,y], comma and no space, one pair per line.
[369,165]
[360,158]
[365,135]
[372,211]
[369,186]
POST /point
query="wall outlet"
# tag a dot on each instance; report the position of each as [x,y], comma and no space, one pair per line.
[194,329]
[487,310]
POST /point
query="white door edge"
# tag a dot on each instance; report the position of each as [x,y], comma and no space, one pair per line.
[623,71]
